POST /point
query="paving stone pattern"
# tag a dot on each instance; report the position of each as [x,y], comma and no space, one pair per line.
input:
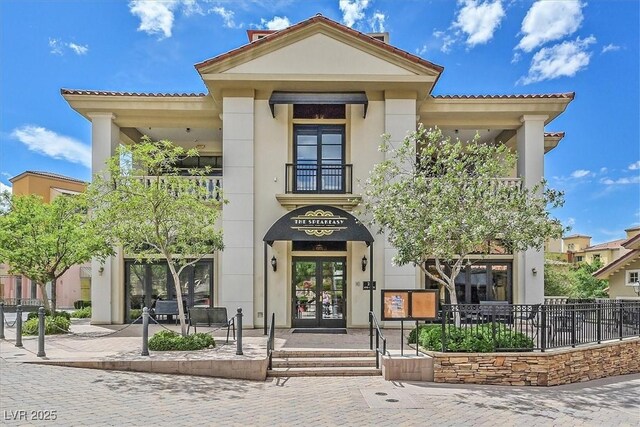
[97,398]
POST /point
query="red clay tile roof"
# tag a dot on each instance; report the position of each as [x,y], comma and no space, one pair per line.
[554,134]
[614,244]
[334,24]
[566,95]
[575,235]
[114,93]
[48,175]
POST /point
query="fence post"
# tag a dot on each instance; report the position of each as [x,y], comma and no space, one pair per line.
[145,332]
[1,320]
[41,332]
[19,326]
[620,323]
[599,321]
[543,323]
[444,324]
[239,338]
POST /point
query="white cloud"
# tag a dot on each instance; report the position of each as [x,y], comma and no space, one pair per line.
[550,20]
[156,17]
[516,58]
[51,144]
[581,173]
[226,15]
[621,181]
[56,46]
[570,222]
[191,7]
[277,23]
[610,48]
[352,11]
[447,40]
[377,22]
[479,20]
[78,48]
[603,170]
[561,60]
[4,187]
[634,166]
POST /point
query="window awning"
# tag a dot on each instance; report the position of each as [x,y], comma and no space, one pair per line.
[278,97]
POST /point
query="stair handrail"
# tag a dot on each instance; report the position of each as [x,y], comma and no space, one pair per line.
[379,336]
[271,339]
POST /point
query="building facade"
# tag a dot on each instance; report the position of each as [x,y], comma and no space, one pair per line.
[73,285]
[291,124]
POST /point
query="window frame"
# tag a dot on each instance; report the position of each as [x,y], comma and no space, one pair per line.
[319,130]
[628,274]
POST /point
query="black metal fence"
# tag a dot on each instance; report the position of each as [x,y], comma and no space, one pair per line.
[521,327]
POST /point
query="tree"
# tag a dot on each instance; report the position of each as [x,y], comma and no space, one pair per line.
[442,200]
[586,285]
[43,240]
[142,204]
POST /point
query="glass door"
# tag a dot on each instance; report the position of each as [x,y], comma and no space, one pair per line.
[319,292]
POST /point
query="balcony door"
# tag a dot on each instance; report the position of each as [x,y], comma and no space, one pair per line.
[319,159]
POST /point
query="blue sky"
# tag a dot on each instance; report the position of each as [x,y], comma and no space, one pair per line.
[486,47]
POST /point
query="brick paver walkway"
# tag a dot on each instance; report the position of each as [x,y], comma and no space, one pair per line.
[93,397]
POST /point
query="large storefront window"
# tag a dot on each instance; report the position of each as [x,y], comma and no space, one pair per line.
[146,283]
[480,281]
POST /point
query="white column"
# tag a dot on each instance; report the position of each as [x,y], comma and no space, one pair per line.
[530,145]
[105,283]
[236,284]
[399,118]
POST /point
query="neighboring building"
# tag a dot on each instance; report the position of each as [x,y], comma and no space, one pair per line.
[75,284]
[624,273]
[579,249]
[292,120]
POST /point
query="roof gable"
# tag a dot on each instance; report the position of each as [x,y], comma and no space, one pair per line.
[365,46]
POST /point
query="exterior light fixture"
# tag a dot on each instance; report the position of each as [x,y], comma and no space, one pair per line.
[534,271]
[274,263]
[636,288]
[364,263]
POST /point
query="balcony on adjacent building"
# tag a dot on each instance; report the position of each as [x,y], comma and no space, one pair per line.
[314,178]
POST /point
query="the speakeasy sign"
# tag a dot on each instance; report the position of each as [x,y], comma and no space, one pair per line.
[319,223]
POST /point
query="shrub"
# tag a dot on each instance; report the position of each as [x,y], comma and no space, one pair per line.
[34,314]
[82,313]
[78,304]
[52,325]
[134,313]
[170,341]
[479,339]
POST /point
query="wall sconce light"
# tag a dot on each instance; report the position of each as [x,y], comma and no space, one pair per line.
[364,263]
[101,270]
[534,271]
[636,288]
[274,263]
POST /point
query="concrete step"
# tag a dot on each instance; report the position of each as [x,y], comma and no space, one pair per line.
[317,353]
[324,372]
[301,362]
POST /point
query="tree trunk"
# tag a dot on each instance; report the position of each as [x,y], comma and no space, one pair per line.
[45,297]
[53,295]
[451,287]
[178,289]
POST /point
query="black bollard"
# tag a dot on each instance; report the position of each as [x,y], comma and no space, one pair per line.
[145,331]
[1,320]
[239,337]
[19,326]
[41,331]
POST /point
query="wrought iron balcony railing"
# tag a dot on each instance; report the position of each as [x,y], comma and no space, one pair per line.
[317,178]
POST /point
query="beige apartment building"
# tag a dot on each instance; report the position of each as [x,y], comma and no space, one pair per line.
[291,123]
[579,249]
[72,286]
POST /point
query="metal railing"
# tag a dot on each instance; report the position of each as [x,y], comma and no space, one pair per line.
[379,337]
[31,302]
[318,178]
[212,184]
[271,339]
[521,327]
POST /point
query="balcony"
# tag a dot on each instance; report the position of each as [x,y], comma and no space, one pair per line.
[212,184]
[313,178]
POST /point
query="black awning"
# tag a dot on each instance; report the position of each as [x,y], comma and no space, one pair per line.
[318,98]
[318,223]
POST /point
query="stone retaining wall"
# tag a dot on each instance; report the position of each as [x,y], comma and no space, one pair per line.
[541,369]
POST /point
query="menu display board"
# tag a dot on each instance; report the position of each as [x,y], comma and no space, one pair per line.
[410,304]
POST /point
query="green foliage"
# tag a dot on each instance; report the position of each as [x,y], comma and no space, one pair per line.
[163,214]
[81,304]
[34,314]
[52,325]
[43,240]
[574,281]
[440,199]
[172,341]
[134,313]
[478,339]
[82,313]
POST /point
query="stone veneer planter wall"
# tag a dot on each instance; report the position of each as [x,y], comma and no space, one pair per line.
[542,369]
